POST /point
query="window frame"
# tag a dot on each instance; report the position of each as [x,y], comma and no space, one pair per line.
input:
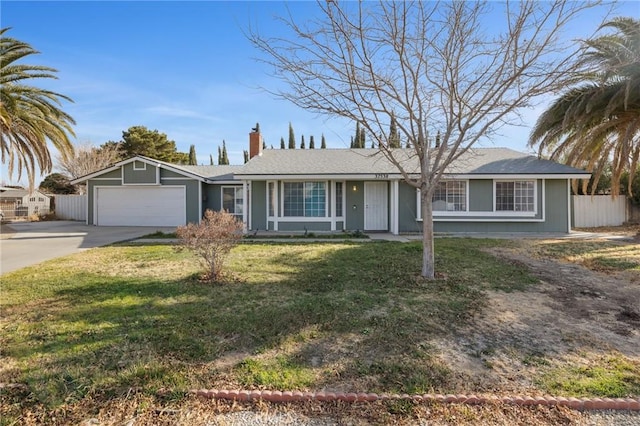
[304,207]
[515,212]
[236,188]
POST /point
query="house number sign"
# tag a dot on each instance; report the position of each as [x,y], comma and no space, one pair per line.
[382,175]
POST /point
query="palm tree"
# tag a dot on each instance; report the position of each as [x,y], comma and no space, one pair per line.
[598,122]
[30,117]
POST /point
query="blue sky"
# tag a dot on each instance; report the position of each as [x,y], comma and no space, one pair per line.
[185,69]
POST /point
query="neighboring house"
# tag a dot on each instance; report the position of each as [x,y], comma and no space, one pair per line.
[486,190]
[16,202]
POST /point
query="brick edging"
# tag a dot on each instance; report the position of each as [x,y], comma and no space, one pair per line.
[288,396]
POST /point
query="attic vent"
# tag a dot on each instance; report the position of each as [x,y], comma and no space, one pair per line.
[139,165]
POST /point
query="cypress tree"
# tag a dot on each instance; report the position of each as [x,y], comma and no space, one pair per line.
[302,142]
[355,141]
[352,145]
[394,135]
[312,144]
[246,155]
[292,138]
[323,144]
[361,144]
[282,143]
[193,161]
[210,160]
[219,155]
[225,158]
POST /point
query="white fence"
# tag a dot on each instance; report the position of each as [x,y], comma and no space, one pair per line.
[71,207]
[599,210]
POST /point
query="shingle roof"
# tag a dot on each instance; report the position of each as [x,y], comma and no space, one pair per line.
[211,172]
[480,161]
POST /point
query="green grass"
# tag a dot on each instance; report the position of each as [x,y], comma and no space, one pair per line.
[612,377]
[293,316]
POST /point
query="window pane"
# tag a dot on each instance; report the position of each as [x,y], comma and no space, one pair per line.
[272,199]
[293,199]
[504,196]
[450,196]
[228,199]
[338,199]
[314,199]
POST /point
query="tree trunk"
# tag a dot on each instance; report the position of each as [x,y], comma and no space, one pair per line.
[428,261]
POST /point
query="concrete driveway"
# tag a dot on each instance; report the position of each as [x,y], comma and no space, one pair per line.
[30,243]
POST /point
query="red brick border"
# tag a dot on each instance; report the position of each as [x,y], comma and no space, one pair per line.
[277,396]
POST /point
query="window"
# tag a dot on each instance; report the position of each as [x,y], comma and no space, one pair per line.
[232,200]
[272,199]
[338,199]
[305,199]
[32,199]
[41,199]
[516,196]
[450,196]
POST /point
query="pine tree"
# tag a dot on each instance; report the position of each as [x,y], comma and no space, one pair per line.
[219,155]
[355,141]
[225,158]
[210,160]
[282,146]
[246,155]
[352,145]
[373,145]
[193,160]
[361,144]
[292,138]
[312,144]
[264,145]
[323,144]
[302,142]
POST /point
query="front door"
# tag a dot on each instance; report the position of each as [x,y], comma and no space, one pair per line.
[376,206]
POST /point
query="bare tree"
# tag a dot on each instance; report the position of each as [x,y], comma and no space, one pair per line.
[88,159]
[463,68]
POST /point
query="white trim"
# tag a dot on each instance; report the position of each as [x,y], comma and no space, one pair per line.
[95,198]
[332,197]
[139,168]
[490,219]
[326,198]
[245,205]
[234,187]
[275,216]
[392,176]
[305,219]
[568,206]
[394,214]
[534,212]
[199,202]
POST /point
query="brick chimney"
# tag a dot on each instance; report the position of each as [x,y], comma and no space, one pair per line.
[255,142]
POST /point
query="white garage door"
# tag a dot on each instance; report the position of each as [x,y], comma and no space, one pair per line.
[140,206]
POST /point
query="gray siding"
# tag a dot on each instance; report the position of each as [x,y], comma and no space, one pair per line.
[258,205]
[302,226]
[91,184]
[407,209]
[136,177]
[480,195]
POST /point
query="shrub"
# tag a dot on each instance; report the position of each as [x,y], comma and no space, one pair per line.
[212,240]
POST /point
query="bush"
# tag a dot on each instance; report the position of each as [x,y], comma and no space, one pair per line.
[212,240]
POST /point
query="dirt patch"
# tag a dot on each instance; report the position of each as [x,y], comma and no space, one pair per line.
[572,316]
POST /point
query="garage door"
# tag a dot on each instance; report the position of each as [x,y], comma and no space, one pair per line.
[140,206]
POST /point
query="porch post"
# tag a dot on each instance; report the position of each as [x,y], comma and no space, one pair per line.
[394,207]
[245,206]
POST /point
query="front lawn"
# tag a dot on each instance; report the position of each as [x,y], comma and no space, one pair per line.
[340,316]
